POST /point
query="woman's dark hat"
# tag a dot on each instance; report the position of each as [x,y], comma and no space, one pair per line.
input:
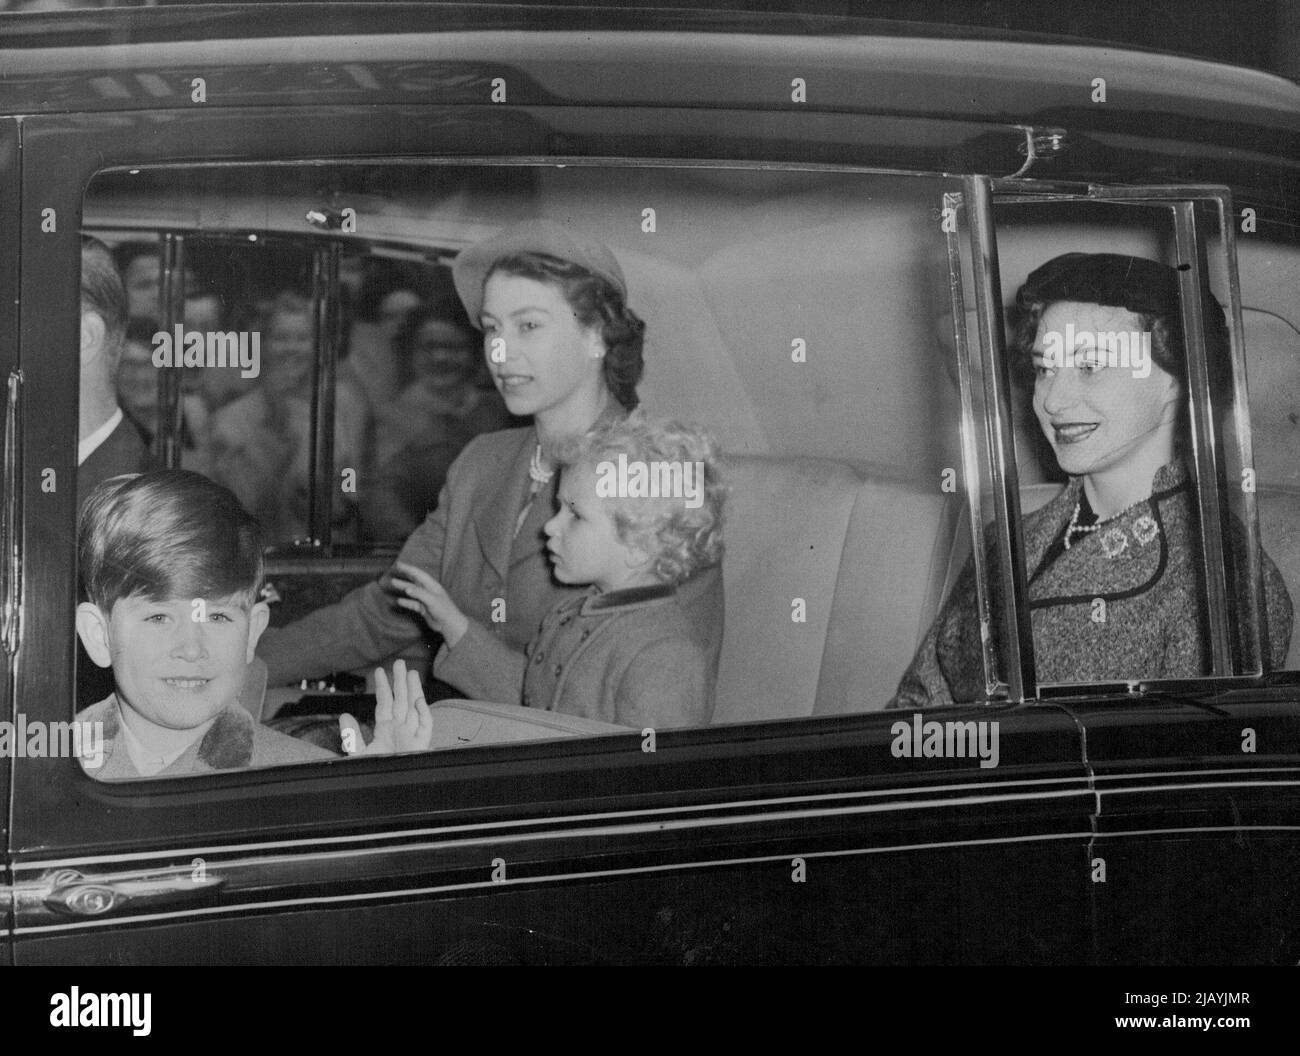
[470,268]
[1135,283]
[1142,286]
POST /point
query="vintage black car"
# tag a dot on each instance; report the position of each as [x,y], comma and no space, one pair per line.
[821,221]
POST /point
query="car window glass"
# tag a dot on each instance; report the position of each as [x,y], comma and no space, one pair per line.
[1270,274]
[818,360]
[1120,486]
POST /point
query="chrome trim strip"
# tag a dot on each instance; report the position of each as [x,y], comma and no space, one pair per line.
[1205,455]
[171,304]
[1017,632]
[326,321]
[972,455]
[559,877]
[390,841]
[576,833]
[1244,437]
[11,587]
[627,827]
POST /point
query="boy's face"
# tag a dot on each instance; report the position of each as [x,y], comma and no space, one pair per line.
[177,663]
[583,541]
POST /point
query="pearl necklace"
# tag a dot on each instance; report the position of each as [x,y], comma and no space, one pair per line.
[1084,529]
[1075,526]
[536,470]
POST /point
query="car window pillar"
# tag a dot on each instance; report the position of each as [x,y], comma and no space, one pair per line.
[1008,655]
[326,321]
[171,296]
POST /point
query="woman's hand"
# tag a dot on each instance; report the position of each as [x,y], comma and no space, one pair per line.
[403,722]
[421,593]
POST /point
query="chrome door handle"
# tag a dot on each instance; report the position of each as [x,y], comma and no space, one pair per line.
[75,895]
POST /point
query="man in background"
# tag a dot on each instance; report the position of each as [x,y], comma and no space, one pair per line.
[108,443]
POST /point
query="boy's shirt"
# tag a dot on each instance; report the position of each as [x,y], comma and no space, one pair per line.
[234,740]
[626,657]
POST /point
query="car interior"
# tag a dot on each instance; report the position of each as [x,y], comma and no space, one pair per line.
[804,317]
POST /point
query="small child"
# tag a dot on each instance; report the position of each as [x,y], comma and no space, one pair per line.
[172,565]
[640,512]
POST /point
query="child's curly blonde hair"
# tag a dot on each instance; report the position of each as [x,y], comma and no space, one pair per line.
[681,538]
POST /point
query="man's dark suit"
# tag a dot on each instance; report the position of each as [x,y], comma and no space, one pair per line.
[123,451]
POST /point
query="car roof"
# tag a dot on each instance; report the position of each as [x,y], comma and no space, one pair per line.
[946,92]
[855,64]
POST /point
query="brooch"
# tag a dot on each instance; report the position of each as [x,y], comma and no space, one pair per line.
[1145,528]
[1114,542]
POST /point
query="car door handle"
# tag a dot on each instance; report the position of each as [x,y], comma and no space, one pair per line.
[75,895]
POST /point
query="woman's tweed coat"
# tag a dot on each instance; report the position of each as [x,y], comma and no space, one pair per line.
[1124,602]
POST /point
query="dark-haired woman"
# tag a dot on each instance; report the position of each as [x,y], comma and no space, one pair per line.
[562,347]
[1115,587]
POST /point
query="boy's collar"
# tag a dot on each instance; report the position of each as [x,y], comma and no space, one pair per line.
[227,745]
[629,596]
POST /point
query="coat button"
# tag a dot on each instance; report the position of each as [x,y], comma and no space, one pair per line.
[556,669]
[538,657]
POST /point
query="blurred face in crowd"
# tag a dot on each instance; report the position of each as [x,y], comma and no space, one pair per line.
[143,281]
[443,356]
[289,351]
[137,384]
[203,312]
[352,274]
[142,278]
[395,309]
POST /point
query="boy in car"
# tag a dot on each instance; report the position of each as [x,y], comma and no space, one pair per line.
[172,566]
[640,511]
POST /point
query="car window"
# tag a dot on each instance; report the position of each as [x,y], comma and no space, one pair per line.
[1270,272]
[846,391]
[770,322]
[1110,407]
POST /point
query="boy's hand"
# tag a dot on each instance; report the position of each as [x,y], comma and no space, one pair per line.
[403,722]
[420,592]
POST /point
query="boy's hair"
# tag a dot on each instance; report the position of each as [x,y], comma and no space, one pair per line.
[681,539]
[167,534]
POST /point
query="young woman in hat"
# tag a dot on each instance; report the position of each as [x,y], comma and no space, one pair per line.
[563,348]
[1112,562]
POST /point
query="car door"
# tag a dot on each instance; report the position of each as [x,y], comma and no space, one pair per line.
[1194,856]
[818,839]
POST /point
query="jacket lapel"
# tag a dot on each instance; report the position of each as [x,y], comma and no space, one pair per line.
[497,502]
